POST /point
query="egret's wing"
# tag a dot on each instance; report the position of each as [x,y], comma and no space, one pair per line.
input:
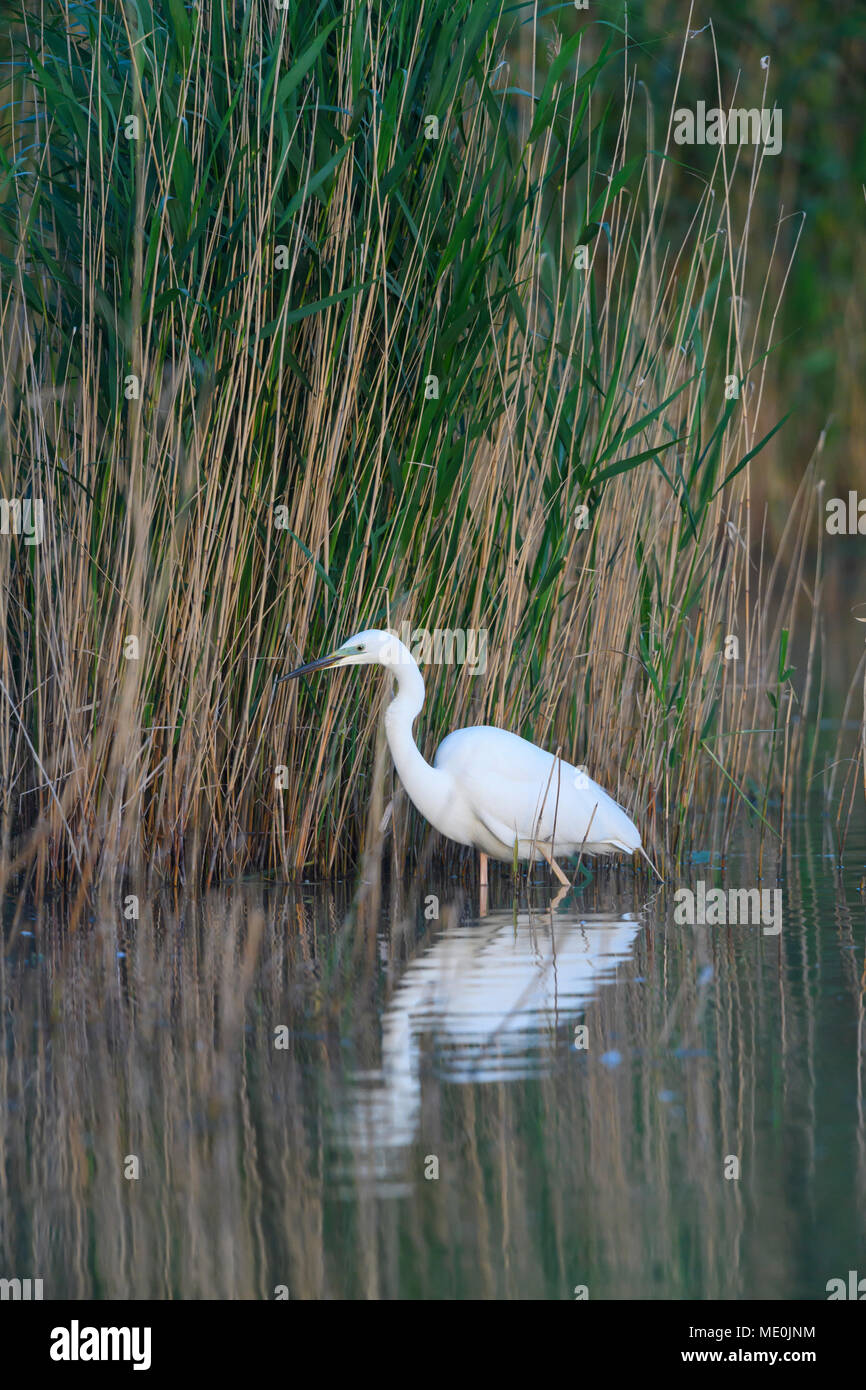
[518,790]
[488,750]
[536,809]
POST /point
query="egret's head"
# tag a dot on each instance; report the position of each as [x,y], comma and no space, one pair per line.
[363,649]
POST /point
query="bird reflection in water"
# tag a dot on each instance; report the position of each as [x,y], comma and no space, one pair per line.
[490,997]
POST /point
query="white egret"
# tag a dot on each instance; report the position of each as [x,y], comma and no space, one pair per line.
[488,788]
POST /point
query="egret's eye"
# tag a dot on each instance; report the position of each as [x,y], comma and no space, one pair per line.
[361,647]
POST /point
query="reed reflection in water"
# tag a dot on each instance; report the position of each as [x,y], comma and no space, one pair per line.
[303,1165]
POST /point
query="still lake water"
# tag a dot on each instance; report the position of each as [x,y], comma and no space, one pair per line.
[381,1104]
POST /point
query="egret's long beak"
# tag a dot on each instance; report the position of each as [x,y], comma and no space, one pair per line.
[320,665]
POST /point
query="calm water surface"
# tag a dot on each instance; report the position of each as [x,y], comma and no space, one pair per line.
[377,1102]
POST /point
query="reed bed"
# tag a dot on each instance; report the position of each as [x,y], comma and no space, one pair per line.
[282,361]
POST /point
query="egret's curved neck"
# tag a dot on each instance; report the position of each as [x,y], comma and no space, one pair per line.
[427,786]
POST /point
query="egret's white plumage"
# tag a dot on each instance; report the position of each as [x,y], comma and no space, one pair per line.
[516,790]
[488,788]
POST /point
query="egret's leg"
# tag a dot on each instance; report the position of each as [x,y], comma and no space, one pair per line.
[482,896]
[554,866]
